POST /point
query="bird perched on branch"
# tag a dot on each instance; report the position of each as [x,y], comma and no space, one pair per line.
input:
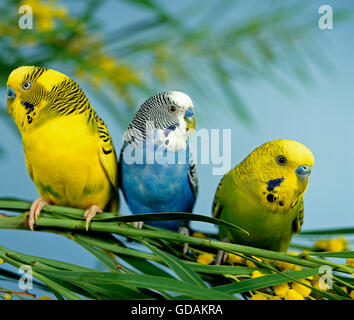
[264,195]
[68,150]
[157,173]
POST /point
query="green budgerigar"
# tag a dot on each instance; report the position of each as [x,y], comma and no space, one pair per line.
[264,195]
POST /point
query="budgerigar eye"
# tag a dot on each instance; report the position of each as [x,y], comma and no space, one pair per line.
[172,109]
[281,160]
[26,85]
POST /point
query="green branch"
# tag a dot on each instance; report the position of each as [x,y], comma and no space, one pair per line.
[124,229]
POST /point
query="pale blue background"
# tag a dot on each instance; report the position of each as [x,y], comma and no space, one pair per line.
[320,115]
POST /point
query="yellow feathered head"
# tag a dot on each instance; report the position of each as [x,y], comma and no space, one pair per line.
[276,174]
[29,89]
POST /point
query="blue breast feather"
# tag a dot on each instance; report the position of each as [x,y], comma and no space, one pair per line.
[153,188]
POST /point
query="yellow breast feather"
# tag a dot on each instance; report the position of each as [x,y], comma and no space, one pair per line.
[68,149]
[264,195]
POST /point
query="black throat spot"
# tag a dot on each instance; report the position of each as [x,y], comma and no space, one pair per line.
[270,197]
[28,106]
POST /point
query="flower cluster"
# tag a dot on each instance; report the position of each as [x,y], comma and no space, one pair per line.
[339,244]
[350,262]
[302,289]
[205,258]
[46,13]
[58,36]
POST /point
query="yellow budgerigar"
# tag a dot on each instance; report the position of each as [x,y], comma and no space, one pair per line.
[68,150]
[264,195]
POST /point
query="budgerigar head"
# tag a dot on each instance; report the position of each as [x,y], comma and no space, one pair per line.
[171,113]
[276,174]
[30,89]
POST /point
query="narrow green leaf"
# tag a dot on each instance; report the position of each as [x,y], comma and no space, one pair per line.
[163,234]
[345,280]
[212,269]
[14,277]
[50,283]
[142,281]
[265,281]
[114,245]
[111,217]
[14,204]
[162,216]
[340,254]
[93,291]
[33,260]
[181,269]
[328,232]
[275,279]
[112,291]
[126,254]
[100,255]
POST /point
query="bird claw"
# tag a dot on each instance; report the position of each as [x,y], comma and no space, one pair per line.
[185,231]
[138,224]
[90,213]
[35,211]
[222,255]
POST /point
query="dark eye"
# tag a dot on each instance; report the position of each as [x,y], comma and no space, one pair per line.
[26,85]
[172,109]
[281,160]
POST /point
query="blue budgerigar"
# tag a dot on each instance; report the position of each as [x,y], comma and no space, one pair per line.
[157,171]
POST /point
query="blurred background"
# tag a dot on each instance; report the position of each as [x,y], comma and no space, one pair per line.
[263,69]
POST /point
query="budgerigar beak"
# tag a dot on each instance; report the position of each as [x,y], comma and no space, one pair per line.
[189,116]
[303,173]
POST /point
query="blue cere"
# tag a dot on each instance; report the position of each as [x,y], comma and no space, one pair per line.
[11,93]
[303,170]
[189,113]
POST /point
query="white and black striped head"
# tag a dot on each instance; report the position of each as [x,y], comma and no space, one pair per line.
[170,113]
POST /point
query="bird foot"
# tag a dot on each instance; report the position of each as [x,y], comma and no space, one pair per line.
[185,231]
[35,211]
[90,213]
[138,224]
[222,255]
